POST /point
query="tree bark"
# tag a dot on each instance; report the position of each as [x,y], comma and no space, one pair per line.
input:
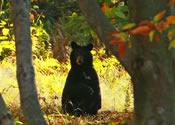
[152,70]
[150,65]
[99,22]
[102,26]
[5,117]
[25,71]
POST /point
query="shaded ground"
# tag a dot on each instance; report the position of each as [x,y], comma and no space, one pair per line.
[102,118]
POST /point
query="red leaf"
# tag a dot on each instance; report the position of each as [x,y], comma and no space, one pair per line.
[162,25]
[60,120]
[145,22]
[171,19]
[121,46]
[113,20]
[159,15]
[122,49]
[105,6]
[116,41]
[171,2]
[141,30]
[151,26]
[33,11]
[157,38]
[114,33]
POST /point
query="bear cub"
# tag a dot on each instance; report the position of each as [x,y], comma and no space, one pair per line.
[81,93]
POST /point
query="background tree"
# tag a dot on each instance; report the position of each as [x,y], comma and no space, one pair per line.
[5,117]
[25,71]
[150,65]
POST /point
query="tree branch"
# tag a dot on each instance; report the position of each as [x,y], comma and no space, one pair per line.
[101,25]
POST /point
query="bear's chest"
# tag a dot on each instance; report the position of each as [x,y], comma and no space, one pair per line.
[84,76]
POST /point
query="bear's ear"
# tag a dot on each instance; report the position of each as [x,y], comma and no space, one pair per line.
[90,46]
[74,45]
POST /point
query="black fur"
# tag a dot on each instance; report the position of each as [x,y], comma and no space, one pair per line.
[81,94]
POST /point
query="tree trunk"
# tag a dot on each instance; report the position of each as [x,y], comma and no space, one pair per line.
[152,70]
[100,24]
[5,117]
[25,71]
[150,65]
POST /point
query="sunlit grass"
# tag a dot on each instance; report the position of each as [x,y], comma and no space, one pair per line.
[50,78]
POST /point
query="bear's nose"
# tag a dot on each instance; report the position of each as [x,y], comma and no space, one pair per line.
[79,60]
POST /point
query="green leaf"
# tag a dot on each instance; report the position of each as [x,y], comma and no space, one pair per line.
[120,14]
[74,15]
[123,8]
[19,123]
[35,6]
[108,12]
[108,2]
[100,1]
[123,36]
[128,26]
[172,44]
[151,35]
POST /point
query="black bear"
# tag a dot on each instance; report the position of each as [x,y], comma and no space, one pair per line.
[81,93]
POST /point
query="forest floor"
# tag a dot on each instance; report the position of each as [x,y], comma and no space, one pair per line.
[102,118]
[116,91]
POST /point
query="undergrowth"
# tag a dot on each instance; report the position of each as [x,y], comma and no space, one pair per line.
[50,75]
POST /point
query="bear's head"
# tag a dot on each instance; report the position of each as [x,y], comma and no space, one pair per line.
[81,55]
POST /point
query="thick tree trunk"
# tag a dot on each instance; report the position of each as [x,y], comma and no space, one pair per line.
[5,117]
[152,70]
[25,71]
[150,65]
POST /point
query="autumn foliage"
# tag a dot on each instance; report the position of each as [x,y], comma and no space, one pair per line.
[148,29]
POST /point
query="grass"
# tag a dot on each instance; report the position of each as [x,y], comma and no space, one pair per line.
[50,75]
